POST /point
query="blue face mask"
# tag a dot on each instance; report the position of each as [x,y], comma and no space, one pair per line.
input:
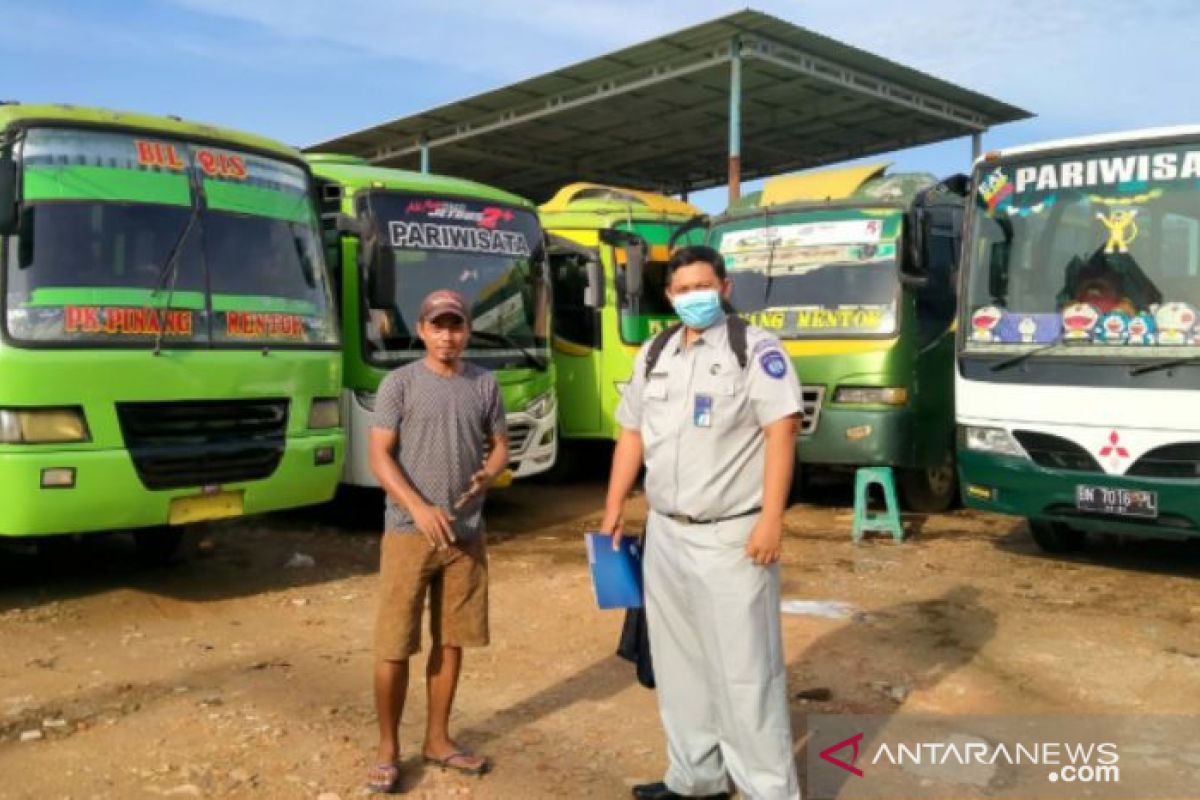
[699,309]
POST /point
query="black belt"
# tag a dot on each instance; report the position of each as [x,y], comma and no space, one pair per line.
[687,519]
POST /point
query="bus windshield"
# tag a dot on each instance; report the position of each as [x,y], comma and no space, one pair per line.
[1098,251]
[818,274]
[492,254]
[129,239]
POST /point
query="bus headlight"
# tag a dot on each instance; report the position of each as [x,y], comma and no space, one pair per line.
[365,399]
[42,425]
[620,386]
[989,440]
[541,406]
[871,395]
[326,412]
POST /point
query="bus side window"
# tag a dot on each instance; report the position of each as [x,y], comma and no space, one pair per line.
[574,321]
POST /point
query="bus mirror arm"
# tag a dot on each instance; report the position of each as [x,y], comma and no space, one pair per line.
[343,223]
[698,221]
[8,193]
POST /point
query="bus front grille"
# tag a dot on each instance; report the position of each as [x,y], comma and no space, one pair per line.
[1170,461]
[518,437]
[1055,452]
[204,442]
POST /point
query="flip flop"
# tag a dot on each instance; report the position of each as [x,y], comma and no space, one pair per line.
[447,763]
[389,783]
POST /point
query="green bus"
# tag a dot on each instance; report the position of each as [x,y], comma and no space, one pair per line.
[169,350]
[392,236]
[608,256]
[854,269]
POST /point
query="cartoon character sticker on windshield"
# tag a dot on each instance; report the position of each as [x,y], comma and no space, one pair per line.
[983,322]
[1079,321]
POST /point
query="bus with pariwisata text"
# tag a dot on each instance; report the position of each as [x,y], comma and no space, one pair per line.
[168,346]
[1078,369]
[392,237]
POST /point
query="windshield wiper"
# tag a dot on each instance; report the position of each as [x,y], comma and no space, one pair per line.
[1020,358]
[170,268]
[1168,364]
[503,338]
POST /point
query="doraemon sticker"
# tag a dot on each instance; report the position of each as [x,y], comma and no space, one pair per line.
[983,321]
[1113,328]
[1079,321]
[1176,323]
[1017,328]
[1142,329]
[773,363]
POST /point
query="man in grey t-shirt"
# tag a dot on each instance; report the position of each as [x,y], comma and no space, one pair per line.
[437,441]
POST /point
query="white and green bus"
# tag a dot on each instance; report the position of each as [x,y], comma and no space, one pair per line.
[1078,369]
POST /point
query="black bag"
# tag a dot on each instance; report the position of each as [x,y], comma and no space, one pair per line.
[635,638]
[635,645]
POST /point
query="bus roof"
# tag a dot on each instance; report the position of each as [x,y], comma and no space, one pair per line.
[1095,140]
[595,206]
[355,175]
[617,196]
[837,183]
[18,113]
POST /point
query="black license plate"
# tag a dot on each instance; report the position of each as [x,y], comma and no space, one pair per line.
[1122,502]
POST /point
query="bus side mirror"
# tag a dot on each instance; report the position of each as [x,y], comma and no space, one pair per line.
[912,262]
[593,293]
[635,266]
[8,193]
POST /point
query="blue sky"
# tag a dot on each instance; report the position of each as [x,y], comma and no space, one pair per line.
[303,71]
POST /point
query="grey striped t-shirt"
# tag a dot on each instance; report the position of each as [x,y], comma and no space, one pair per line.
[444,424]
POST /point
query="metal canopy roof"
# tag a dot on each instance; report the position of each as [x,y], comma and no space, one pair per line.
[657,115]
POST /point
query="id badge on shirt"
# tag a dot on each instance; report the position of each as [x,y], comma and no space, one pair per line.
[702,411]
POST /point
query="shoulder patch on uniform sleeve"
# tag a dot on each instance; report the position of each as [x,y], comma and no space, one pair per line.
[773,363]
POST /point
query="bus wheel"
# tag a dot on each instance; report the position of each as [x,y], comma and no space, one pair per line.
[159,545]
[929,490]
[801,475]
[1056,537]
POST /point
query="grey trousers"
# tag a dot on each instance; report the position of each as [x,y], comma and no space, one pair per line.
[713,616]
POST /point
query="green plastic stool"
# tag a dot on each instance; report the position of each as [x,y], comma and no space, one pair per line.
[887,521]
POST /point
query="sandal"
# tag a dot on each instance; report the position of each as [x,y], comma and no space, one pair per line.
[482,768]
[384,779]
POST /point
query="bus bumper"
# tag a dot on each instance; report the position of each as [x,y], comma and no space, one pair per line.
[1017,486]
[860,438]
[107,494]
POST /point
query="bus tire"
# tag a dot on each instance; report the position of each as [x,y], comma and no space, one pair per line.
[1056,537]
[929,490]
[160,545]
[798,490]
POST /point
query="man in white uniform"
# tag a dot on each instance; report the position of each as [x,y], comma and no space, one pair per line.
[718,439]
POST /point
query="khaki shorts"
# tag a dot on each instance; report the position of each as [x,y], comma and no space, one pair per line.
[455,580]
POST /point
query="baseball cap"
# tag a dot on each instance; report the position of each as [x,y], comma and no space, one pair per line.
[443,301]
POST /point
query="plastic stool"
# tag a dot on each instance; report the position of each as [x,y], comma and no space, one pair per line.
[888,521]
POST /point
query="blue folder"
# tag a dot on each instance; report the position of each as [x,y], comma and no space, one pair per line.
[616,574]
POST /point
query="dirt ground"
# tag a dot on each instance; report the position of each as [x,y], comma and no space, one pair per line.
[234,675]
